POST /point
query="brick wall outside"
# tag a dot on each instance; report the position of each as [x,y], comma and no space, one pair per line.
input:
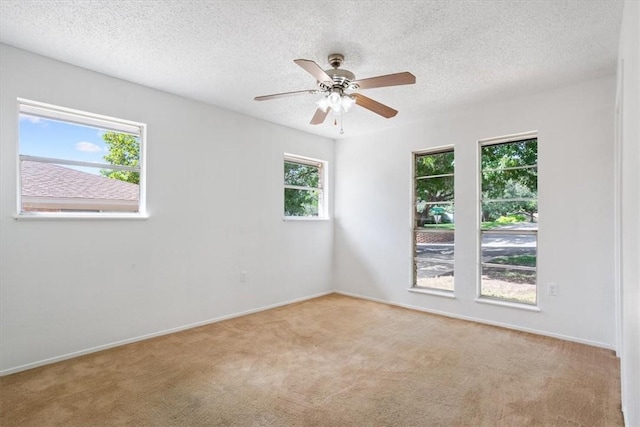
[435,237]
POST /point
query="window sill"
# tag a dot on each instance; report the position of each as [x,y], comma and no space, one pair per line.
[509,304]
[82,216]
[305,218]
[445,294]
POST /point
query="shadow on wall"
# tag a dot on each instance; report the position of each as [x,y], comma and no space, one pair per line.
[353,270]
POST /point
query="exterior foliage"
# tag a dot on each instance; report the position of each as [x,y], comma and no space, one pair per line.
[124,150]
[301,198]
[509,177]
[509,174]
[434,183]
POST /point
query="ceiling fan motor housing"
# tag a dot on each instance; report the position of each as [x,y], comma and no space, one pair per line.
[341,78]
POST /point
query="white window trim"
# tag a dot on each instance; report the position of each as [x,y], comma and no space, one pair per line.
[56,112]
[479,297]
[509,304]
[508,138]
[413,288]
[323,209]
[47,216]
[433,291]
[304,218]
[78,163]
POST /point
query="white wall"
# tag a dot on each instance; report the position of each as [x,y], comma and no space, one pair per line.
[373,250]
[629,131]
[215,197]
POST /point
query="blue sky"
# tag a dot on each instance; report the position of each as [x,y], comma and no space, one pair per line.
[60,140]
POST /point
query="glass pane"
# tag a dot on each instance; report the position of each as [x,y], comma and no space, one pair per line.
[434,164]
[510,184]
[301,202]
[301,175]
[510,154]
[69,141]
[432,190]
[498,245]
[510,215]
[509,284]
[509,249]
[47,187]
[434,216]
[434,255]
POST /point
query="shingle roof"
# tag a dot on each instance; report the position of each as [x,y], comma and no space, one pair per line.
[53,181]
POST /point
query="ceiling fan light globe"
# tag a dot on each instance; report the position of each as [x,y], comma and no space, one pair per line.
[347,102]
[323,104]
[333,98]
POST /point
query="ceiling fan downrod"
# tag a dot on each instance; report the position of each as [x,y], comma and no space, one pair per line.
[335,59]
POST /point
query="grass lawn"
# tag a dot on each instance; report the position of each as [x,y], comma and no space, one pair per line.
[439,226]
[524,260]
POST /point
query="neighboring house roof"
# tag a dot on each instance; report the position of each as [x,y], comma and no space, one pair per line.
[50,186]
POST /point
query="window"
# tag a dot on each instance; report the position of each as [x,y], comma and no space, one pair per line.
[73,163]
[509,219]
[433,220]
[304,187]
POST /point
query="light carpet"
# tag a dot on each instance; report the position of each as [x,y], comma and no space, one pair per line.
[329,361]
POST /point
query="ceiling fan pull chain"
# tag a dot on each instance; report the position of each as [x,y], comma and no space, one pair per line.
[341,123]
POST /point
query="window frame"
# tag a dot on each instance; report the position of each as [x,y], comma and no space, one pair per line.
[93,120]
[323,205]
[480,231]
[450,293]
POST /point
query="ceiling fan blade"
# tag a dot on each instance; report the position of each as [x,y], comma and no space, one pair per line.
[315,70]
[319,116]
[396,79]
[284,94]
[374,106]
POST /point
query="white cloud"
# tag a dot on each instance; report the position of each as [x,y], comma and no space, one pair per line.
[32,119]
[89,147]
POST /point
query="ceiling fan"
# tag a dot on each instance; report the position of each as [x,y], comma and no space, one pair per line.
[341,89]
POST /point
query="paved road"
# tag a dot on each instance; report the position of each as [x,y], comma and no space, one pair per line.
[436,259]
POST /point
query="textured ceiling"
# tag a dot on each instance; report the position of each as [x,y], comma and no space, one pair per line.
[226,52]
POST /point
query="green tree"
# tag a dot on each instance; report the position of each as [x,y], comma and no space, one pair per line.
[299,201]
[124,150]
[507,174]
[512,190]
[430,186]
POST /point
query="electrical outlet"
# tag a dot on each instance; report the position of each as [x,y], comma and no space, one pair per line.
[554,289]
[243,276]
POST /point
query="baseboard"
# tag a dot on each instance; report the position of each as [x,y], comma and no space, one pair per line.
[483,321]
[51,360]
[153,335]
